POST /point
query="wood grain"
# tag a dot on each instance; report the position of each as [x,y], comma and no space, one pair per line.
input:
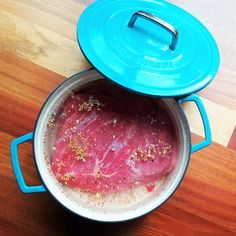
[27,33]
[232,141]
[38,49]
[204,203]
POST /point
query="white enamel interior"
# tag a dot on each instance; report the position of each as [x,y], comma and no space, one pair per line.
[122,213]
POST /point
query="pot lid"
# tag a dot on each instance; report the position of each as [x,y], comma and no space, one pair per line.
[148,46]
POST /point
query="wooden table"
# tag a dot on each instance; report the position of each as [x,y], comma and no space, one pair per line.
[38,49]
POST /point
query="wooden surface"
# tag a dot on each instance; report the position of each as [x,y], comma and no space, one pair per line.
[38,49]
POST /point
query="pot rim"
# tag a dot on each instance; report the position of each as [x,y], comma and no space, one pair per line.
[188,136]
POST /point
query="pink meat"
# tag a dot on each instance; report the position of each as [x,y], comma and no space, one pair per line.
[109,140]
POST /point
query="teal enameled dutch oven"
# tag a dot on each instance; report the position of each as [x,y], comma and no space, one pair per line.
[150,47]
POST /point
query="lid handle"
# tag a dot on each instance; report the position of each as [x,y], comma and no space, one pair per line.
[159,21]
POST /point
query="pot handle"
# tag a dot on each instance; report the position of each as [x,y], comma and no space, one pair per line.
[16,166]
[205,120]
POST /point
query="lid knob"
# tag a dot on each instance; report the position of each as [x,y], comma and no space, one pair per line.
[159,21]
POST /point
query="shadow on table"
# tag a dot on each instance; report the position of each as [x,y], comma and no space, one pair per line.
[64,222]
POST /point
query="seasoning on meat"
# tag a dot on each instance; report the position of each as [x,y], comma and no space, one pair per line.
[166,150]
[99,175]
[145,155]
[51,122]
[67,177]
[90,104]
[75,145]
[109,140]
[60,164]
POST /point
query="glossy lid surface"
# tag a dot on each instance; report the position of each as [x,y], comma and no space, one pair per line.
[162,50]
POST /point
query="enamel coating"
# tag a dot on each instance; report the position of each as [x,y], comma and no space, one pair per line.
[16,165]
[49,182]
[206,124]
[139,58]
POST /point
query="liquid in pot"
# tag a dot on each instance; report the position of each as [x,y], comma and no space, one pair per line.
[108,140]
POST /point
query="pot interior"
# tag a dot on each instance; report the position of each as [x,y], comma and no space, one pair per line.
[115,206]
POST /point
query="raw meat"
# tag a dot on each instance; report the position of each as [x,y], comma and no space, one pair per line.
[108,140]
